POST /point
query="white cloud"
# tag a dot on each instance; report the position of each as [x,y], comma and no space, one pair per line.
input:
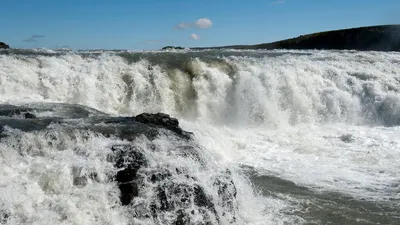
[203,23]
[194,37]
[182,26]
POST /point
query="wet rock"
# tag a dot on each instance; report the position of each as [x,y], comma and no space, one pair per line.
[347,138]
[29,116]
[159,176]
[162,120]
[162,199]
[181,218]
[227,195]
[128,192]
[2,132]
[80,181]
[170,191]
[94,177]
[4,45]
[128,156]
[4,216]
[172,196]
[201,199]
[17,112]
[130,159]
[126,175]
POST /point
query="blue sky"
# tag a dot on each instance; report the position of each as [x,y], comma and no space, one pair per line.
[151,24]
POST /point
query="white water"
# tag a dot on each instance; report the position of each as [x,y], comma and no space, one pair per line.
[327,120]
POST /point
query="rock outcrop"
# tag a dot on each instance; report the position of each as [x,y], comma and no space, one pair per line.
[152,185]
[173,48]
[173,191]
[3,45]
[161,120]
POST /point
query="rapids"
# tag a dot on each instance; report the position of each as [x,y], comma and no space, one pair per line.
[309,137]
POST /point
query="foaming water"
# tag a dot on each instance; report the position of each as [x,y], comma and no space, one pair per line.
[36,184]
[312,123]
[289,89]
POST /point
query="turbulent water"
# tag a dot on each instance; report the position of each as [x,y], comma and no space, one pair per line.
[307,137]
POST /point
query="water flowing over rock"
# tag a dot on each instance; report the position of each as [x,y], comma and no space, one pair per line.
[149,188]
[279,137]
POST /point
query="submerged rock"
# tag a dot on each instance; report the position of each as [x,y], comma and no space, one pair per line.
[80,181]
[347,138]
[4,216]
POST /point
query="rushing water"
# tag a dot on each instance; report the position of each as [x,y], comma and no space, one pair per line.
[310,137]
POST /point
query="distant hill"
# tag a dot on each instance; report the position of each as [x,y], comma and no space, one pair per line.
[374,38]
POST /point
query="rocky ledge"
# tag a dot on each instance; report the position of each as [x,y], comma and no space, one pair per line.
[153,187]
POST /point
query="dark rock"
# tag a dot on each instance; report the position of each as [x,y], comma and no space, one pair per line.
[29,116]
[126,175]
[94,176]
[159,176]
[174,190]
[4,216]
[347,138]
[19,112]
[128,192]
[170,189]
[172,195]
[128,156]
[80,181]
[201,199]
[4,45]
[163,199]
[131,160]
[162,120]
[173,48]
[181,218]
[2,132]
